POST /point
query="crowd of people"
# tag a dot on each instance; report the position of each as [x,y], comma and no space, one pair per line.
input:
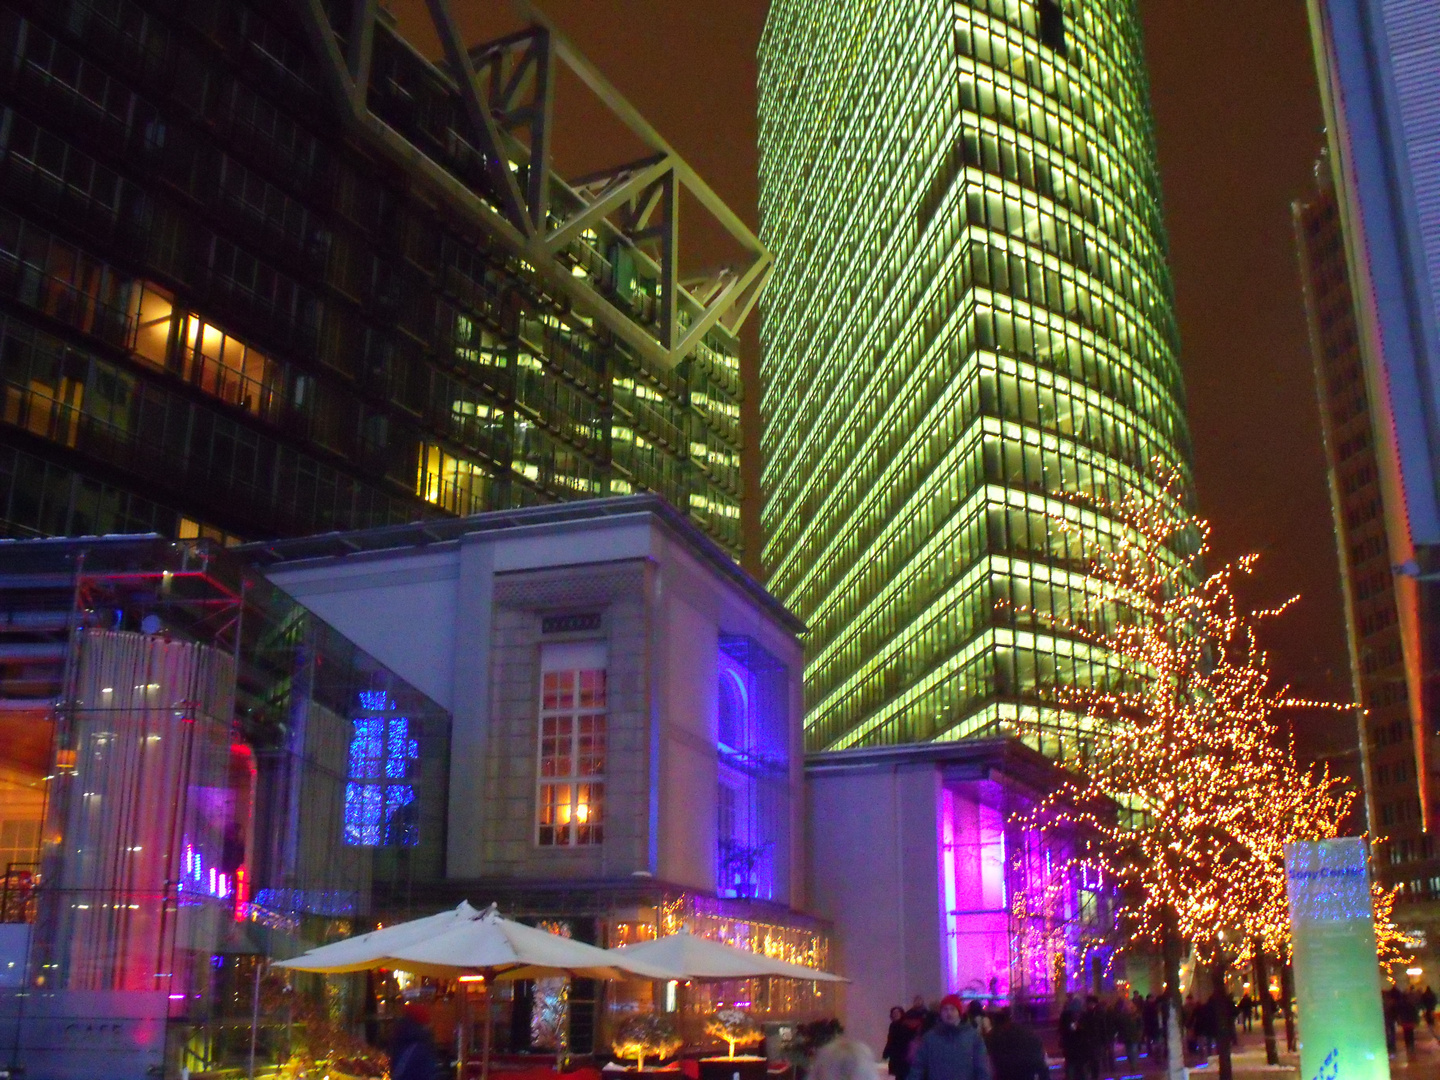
[1404,1010]
[1096,1036]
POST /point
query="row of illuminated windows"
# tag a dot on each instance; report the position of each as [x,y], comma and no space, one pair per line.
[958,699]
[1027,460]
[867,255]
[1023,393]
[1145,382]
[857,372]
[64,283]
[856,577]
[869,621]
[66,396]
[999,521]
[259,287]
[1115,112]
[1107,376]
[1136,332]
[860,200]
[994,95]
[1106,106]
[1111,264]
[1022,667]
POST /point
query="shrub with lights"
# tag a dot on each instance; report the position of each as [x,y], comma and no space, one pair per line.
[734,1026]
[646,1035]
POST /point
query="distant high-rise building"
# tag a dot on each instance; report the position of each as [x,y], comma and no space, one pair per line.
[971,315]
[1361,530]
[1379,66]
[266,270]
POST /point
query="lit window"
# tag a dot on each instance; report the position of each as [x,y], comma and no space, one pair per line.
[379,799]
[570,794]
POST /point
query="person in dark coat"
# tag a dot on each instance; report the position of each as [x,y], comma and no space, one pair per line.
[1154,1029]
[1016,1052]
[1427,1006]
[1094,1033]
[1072,1040]
[897,1043]
[1247,1009]
[951,1050]
[412,1049]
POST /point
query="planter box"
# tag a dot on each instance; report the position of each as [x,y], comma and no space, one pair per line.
[740,1067]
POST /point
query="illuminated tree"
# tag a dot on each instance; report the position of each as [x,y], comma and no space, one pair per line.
[1182,784]
[734,1026]
[646,1035]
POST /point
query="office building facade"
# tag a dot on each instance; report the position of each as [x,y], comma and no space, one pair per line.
[1387,744]
[970,327]
[587,713]
[1379,68]
[266,270]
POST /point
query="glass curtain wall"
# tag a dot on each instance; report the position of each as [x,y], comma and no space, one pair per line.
[226,779]
[971,324]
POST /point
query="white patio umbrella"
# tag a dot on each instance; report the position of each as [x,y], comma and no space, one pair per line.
[469,942]
[365,951]
[698,958]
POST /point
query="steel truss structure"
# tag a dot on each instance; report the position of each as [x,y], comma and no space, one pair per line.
[507,93]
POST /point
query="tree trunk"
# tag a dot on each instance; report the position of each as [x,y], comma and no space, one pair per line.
[1220,998]
[1287,1002]
[1174,1043]
[1267,1004]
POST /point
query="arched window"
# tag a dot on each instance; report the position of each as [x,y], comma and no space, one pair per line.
[733,720]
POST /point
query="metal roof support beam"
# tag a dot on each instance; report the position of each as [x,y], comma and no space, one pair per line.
[477,111]
[508,85]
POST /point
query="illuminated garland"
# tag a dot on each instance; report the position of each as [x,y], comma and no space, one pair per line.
[1188,792]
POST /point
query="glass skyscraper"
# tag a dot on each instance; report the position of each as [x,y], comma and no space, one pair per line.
[971,314]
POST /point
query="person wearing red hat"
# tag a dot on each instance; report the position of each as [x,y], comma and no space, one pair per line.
[951,1050]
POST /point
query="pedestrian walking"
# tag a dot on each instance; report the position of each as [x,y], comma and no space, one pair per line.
[1126,1021]
[897,1043]
[1016,1052]
[1094,1028]
[951,1050]
[1427,1006]
[843,1058]
[1153,1028]
[1392,1016]
[1072,1040]
[1247,1009]
[1407,1016]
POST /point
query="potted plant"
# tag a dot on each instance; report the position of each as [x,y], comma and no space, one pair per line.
[646,1035]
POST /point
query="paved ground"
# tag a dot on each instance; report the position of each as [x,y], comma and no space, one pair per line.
[1248,1060]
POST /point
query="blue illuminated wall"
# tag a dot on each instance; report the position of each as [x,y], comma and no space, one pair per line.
[753,801]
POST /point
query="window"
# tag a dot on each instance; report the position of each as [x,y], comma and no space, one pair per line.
[570,797]
[379,798]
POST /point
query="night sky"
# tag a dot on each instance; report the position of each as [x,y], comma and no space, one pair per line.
[1239,126]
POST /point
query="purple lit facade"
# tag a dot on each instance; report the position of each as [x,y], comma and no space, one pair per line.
[935,889]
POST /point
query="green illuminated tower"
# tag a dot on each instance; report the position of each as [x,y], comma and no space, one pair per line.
[971,312]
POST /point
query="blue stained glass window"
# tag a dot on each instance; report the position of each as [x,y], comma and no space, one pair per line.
[378,797]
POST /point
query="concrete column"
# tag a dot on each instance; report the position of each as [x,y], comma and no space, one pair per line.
[469,736]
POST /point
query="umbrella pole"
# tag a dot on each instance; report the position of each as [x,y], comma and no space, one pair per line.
[462,1031]
[489,1035]
[254,1017]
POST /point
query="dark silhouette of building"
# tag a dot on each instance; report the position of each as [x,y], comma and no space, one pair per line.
[1388,758]
[266,270]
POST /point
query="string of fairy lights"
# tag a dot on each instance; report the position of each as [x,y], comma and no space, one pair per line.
[1187,802]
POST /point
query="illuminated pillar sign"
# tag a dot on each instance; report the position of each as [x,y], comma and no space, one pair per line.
[1337,975]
